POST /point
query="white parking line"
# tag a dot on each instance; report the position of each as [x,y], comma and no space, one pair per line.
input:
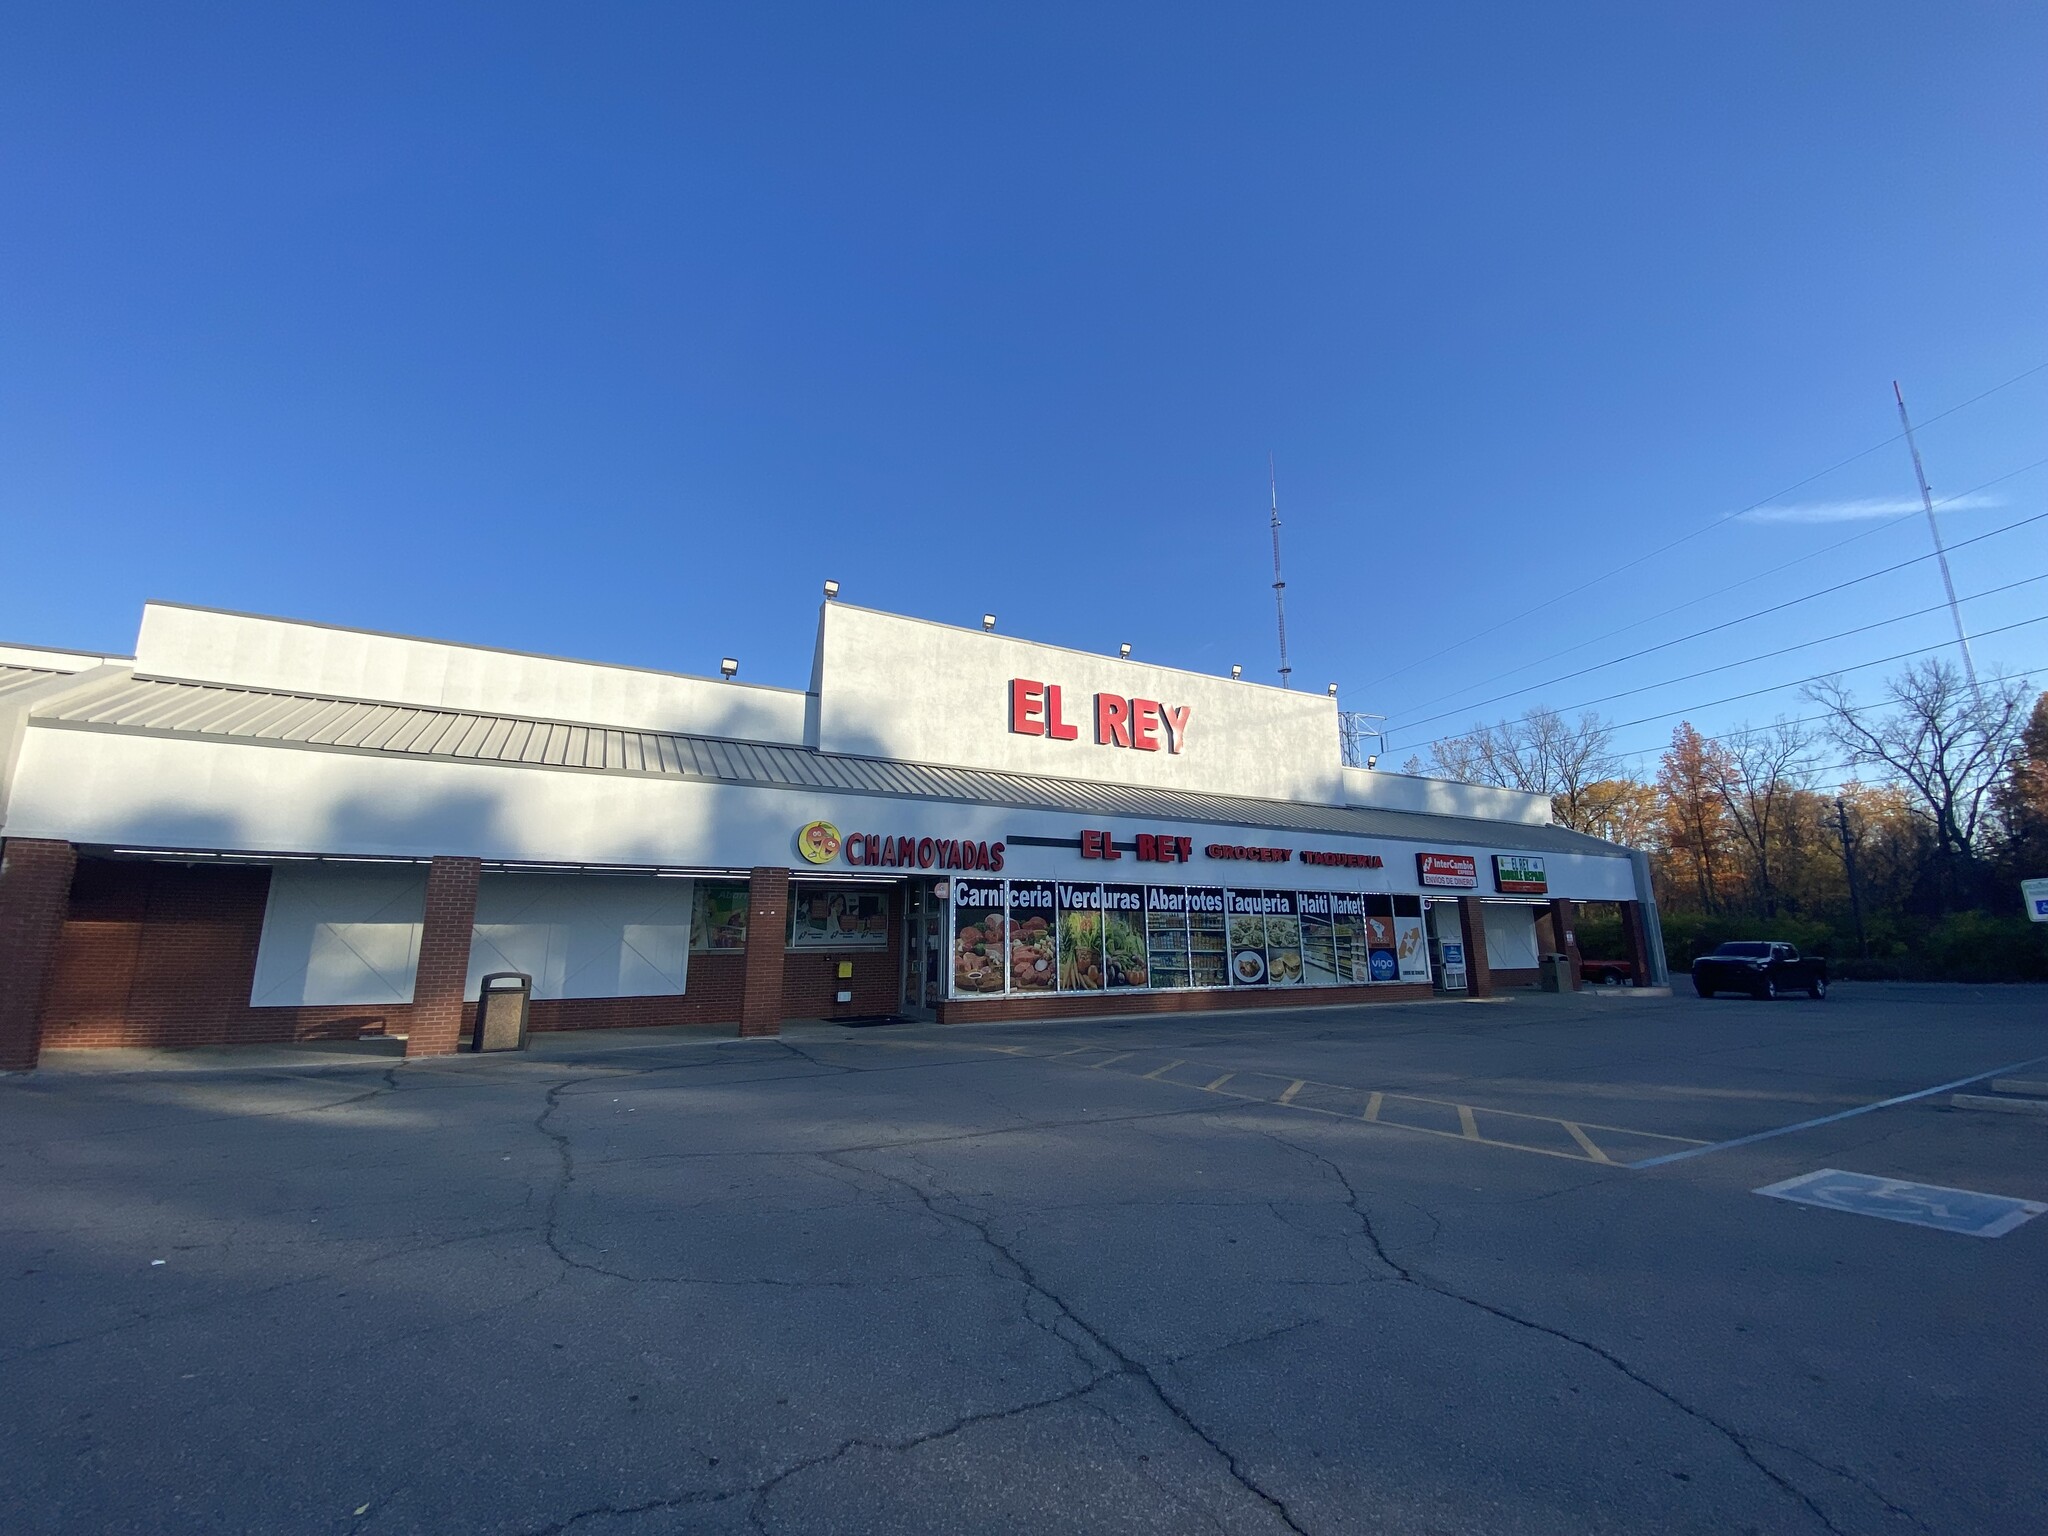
[1847,1114]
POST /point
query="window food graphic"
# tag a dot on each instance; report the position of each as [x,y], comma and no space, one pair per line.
[1283,944]
[1034,949]
[1012,937]
[1080,937]
[979,963]
[1124,963]
[1265,939]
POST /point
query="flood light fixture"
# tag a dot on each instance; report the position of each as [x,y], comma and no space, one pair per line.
[1124,650]
[1333,690]
[729,668]
[1236,671]
[988,623]
[831,590]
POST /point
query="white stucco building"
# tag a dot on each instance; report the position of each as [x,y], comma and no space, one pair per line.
[259,829]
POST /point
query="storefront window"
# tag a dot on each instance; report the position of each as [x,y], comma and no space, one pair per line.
[1411,945]
[1318,940]
[838,917]
[1166,937]
[1011,937]
[1208,958]
[979,938]
[1080,940]
[1347,937]
[1034,936]
[1381,944]
[1124,962]
[718,916]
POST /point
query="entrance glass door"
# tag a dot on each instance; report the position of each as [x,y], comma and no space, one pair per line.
[924,950]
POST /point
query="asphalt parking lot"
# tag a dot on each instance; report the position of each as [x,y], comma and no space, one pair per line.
[1377,1270]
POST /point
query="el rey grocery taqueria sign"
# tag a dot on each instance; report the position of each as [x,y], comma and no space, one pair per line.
[1138,725]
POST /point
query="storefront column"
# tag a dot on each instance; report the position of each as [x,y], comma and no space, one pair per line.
[1637,941]
[35,896]
[1472,928]
[437,1007]
[767,936]
[1564,926]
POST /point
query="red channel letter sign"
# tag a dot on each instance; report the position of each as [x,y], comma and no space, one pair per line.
[1460,871]
[1140,725]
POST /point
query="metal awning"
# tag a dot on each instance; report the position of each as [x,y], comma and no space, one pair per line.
[215,712]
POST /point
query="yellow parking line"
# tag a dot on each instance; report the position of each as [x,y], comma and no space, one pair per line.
[1588,1151]
[1420,1130]
[1586,1141]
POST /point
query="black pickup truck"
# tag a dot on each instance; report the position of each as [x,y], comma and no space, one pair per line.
[1760,968]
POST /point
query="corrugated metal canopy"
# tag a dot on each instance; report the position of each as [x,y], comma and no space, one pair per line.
[20,679]
[155,706]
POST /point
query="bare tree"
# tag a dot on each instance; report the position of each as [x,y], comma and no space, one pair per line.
[1762,775]
[1951,747]
[1543,754]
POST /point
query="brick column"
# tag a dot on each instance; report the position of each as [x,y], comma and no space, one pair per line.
[35,896]
[1472,928]
[767,934]
[437,1008]
[1564,924]
[1637,941]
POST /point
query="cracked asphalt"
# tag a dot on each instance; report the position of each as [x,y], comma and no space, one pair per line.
[1033,1278]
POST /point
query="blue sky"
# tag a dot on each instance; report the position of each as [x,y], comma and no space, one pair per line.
[657,315]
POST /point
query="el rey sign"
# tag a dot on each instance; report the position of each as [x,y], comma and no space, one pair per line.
[1141,725]
[1519,874]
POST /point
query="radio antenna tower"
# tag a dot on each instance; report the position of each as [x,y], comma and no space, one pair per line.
[1940,553]
[1279,586]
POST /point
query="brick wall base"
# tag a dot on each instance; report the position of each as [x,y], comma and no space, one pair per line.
[163,955]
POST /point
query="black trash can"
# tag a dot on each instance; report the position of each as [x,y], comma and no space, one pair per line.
[501,1006]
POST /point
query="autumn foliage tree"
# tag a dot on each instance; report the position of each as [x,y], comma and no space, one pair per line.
[1691,781]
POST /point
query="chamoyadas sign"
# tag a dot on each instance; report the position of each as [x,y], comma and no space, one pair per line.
[1142,725]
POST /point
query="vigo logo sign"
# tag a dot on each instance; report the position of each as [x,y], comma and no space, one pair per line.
[1141,725]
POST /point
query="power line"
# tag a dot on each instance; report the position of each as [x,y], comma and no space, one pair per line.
[1665,645]
[1719,591]
[1729,666]
[1861,666]
[1735,698]
[1718,522]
